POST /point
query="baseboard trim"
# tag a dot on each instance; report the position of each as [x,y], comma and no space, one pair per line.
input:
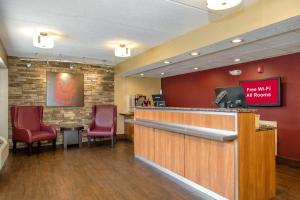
[84,143]
[121,137]
[288,161]
[203,190]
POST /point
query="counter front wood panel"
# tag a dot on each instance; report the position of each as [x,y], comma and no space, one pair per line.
[256,158]
[128,128]
[144,142]
[215,121]
[169,151]
[221,122]
[245,166]
[211,164]
[265,149]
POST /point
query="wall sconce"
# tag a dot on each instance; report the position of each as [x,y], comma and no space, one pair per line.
[2,64]
[236,72]
[72,66]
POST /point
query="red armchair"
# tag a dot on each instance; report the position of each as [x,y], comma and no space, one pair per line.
[104,122]
[28,127]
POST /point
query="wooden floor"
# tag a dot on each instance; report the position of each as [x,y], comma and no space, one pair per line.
[102,173]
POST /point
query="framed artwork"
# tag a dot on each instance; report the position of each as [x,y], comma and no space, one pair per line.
[65,89]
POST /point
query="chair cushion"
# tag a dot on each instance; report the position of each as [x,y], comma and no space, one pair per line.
[104,116]
[28,118]
[42,135]
[100,131]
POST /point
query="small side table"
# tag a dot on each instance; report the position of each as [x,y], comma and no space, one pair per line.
[71,134]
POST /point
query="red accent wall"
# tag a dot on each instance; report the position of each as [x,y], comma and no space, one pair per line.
[197,90]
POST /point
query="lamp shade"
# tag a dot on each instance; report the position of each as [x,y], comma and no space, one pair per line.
[122,51]
[42,40]
[222,4]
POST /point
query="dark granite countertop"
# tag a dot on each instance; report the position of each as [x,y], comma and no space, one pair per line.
[265,127]
[231,110]
[127,114]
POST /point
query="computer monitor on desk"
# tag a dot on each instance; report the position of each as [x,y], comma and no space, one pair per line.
[158,100]
[230,97]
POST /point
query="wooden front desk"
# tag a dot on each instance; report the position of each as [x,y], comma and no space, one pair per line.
[219,152]
[128,128]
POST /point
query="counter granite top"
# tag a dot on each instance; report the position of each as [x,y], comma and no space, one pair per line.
[127,114]
[231,110]
[263,127]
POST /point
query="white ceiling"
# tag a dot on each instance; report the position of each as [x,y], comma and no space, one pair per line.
[88,28]
[275,40]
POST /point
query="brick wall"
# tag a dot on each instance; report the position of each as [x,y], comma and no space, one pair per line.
[27,86]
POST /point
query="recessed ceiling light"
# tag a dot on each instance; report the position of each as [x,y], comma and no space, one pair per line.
[162,73]
[222,5]
[237,60]
[167,62]
[237,40]
[196,68]
[194,54]
[142,74]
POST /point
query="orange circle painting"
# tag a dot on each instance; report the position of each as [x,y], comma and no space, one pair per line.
[64,89]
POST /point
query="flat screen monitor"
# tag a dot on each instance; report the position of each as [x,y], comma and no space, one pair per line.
[230,97]
[158,97]
[263,92]
[158,100]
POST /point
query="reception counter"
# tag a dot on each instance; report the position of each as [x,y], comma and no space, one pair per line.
[217,151]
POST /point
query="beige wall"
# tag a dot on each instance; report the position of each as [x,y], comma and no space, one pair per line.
[128,86]
[3,54]
[258,15]
[3,95]
[27,86]
[4,103]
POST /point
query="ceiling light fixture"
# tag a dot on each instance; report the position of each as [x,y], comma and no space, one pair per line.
[237,60]
[43,40]
[237,40]
[167,62]
[122,51]
[222,4]
[194,54]
[142,74]
[162,73]
[196,68]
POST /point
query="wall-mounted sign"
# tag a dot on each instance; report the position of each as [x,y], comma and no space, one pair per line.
[65,89]
[264,92]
